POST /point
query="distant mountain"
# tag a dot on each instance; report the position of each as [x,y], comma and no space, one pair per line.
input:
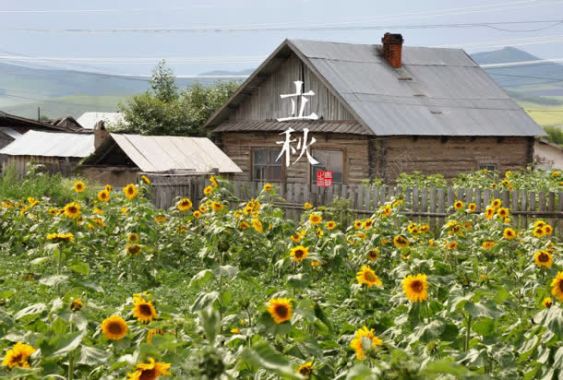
[228,73]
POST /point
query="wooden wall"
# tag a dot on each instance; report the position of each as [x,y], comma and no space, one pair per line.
[265,102]
[53,165]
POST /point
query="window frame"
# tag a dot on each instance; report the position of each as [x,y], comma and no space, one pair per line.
[313,181]
[251,171]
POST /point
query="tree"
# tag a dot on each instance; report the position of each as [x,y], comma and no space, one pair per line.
[163,110]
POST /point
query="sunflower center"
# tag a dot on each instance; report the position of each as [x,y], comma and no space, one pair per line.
[299,253]
[148,374]
[561,285]
[115,328]
[370,277]
[145,309]
[417,286]
[305,371]
[281,311]
[72,209]
[543,257]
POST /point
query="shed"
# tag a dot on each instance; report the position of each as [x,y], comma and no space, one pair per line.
[548,155]
[375,110]
[120,158]
[57,152]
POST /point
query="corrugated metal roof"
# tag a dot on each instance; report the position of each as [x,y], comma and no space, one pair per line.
[88,120]
[436,92]
[48,144]
[350,127]
[174,153]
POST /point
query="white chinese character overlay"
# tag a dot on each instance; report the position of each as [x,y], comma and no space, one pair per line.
[299,98]
[289,149]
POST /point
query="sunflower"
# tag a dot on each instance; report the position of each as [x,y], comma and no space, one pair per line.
[509,233]
[400,241]
[18,356]
[208,190]
[217,206]
[451,245]
[364,340]
[280,309]
[131,191]
[305,369]
[547,302]
[257,225]
[423,228]
[160,218]
[133,237]
[386,210]
[358,224]
[214,181]
[412,228]
[243,225]
[458,205]
[373,254]
[103,195]
[79,186]
[108,188]
[150,370]
[143,310]
[152,333]
[58,237]
[471,207]
[503,212]
[496,203]
[489,212]
[488,245]
[315,263]
[133,249]
[330,225]
[72,210]
[197,214]
[299,253]
[547,229]
[366,276]
[543,259]
[146,180]
[307,205]
[268,187]
[538,232]
[415,287]
[296,237]
[555,173]
[76,304]
[315,219]
[557,286]
[114,327]
[184,204]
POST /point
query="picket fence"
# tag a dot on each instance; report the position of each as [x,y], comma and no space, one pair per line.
[430,205]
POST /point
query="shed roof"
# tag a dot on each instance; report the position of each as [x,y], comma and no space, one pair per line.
[436,92]
[50,144]
[159,154]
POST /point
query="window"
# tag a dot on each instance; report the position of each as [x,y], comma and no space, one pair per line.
[488,166]
[332,160]
[264,165]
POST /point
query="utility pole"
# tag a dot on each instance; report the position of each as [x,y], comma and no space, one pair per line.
[38,113]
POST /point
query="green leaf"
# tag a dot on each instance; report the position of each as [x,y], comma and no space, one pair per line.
[298,280]
[204,300]
[211,322]
[446,366]
[481,310]
[202,278]
[264,356]
[69,343]
[80,268]
[92,356]
[484,327]
[227,271]
[54,280]
[361,372]
[30,310]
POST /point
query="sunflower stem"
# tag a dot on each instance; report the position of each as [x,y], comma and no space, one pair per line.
[467,333]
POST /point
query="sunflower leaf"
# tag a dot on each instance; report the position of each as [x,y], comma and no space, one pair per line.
[31,310]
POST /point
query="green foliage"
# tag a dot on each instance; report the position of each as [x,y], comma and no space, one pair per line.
[417,179]
[167,111]
[554,135]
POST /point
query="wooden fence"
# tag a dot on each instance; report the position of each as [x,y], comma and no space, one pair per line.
[430,205]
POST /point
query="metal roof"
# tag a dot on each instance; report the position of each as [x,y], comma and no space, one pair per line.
[48,144]
[174,153]
[11,132]
[350,127]
[88,120]
[436,92]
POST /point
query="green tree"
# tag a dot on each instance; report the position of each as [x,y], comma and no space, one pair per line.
[164,110]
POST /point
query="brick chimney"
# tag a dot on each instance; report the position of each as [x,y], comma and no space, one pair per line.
[100,134]
[392,49]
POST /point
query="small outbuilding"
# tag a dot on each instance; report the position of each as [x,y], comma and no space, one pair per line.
[548,155]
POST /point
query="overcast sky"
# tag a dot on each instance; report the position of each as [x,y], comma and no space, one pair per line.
[195,36]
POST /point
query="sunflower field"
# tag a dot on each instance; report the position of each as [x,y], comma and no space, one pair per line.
[105,286]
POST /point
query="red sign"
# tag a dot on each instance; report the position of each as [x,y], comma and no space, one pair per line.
[324,178]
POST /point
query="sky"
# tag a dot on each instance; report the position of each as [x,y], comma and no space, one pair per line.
[129,37]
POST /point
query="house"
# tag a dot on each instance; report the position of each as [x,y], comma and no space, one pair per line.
[548,155]
[12,126]
[120,158]
[374,111]
[88,120]
[57,152]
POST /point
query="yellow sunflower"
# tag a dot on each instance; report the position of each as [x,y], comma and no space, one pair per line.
[451,245]
[400,241]
[471,207]
[160,218]
[114,328]
[133,237]
[108,188]
[557,286]
[415,287]
[330,225]
[257,225]
[315,219]
[547,229]
[364,340]
[150,370]
[496,203]
[76,304]
[547,302]
[133,249]
[184,204]
[208,190]
[131,191]
[503,212]
[217,206]
[103,195]
[488,245]
[307,205]
[538,231]
[72,210]
[152,333]
[386,210]
[366,276]
[146,180]
[489,212]
[305,369]
[458,205]
[357,224]
[373,254]
[18,356]
[509,233]
[296,237]
[299,253]
[543,259]
[58,237]
[423,228]
[268,187]
[143,310]
[79,186]
[214,181]
[197,214]
[280,309]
